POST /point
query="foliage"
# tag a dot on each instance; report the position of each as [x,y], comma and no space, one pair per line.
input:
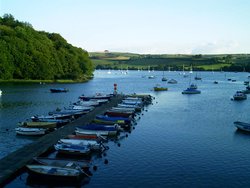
[226,62]
[29,54]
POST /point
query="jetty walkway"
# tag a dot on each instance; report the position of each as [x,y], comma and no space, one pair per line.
[13,163]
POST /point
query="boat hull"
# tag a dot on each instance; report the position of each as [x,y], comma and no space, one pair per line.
[54,173]
[242,126]
[30,131]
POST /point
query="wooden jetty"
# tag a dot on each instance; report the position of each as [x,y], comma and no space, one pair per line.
[13,163]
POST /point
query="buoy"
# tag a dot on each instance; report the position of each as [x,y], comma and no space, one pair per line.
[119,145]
[106,161]
[94,168]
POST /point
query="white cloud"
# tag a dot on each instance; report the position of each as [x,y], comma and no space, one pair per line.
[216,47]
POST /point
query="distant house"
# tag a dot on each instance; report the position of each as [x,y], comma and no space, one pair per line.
[106,51]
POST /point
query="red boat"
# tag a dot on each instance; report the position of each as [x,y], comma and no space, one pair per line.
[85,137]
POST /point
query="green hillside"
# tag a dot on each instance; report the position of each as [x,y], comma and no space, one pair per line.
[27,54]
[226,62]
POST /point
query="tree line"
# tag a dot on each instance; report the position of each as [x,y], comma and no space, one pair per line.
[29,54]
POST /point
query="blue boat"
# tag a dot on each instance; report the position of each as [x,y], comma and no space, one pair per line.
[58,90]
[114,119]
[101,127]
[190,90]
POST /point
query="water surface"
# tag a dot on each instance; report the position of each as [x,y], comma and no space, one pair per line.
[179,140]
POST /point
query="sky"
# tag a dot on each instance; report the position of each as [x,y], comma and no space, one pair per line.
[141,26]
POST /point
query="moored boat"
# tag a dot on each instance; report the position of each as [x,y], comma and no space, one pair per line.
[92,144]
[86,103]
[136,107]
[114,113]
[55,115]
[71,149]
[117,120]
[190,90]
[55,172]
[172,81]
[95,132]
[70,163]
[160,88]
[30,131]
[58,90]
[87,137]
[242,126]
[96,96]
[59,122]
[239,95]
[37,124]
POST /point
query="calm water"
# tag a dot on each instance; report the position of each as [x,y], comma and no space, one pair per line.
[180,141]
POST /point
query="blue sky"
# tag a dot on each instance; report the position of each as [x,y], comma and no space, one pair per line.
[141,26]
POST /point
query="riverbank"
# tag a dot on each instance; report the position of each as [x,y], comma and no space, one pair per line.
[17,81]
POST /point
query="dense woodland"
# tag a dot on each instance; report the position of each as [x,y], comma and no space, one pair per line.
[37,55]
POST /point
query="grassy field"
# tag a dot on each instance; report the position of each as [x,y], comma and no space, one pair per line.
[116,60]
[213,67]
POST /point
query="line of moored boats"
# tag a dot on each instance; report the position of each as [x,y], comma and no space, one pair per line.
[86,140]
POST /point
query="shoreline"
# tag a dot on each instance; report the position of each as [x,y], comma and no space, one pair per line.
[17,81]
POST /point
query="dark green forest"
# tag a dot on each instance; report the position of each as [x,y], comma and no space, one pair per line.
[38,55]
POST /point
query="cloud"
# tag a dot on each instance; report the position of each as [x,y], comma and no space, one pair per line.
[216,47]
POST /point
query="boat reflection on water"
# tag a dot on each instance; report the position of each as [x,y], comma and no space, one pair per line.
[43,182]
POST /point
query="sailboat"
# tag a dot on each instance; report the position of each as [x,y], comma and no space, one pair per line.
[149,69]
[191,70]
[197,77]
[192,89]
[183,72]
[163,77]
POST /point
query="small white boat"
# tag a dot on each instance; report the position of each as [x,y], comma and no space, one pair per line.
[1,92]
[90,143]
[30,131]
[121,109]
[80,107]
[172,81]
[55,172]
[72,149]
[95,132]
[151,77]
[86,103]
[69,163]
[242,126]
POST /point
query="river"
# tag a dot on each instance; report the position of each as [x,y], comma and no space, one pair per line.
[179,140]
